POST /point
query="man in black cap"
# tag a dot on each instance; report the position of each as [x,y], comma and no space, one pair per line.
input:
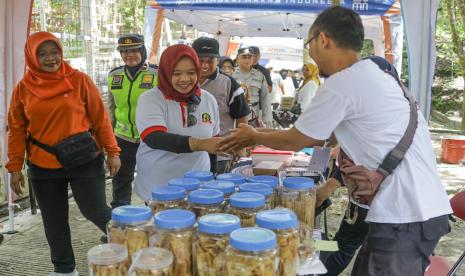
[255,59]
[125,85]
[227,92]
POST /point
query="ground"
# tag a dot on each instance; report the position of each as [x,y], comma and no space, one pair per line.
[27,253]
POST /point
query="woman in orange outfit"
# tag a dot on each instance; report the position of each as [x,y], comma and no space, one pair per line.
[51,103]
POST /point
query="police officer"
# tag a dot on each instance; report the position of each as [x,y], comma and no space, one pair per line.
[254,84]
[126,84]
[255,59]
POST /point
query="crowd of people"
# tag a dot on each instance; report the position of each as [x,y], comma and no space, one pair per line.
[197,110]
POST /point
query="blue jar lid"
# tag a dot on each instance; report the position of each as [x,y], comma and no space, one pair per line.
[206,196]
[226,187]
[219,223]
[189,184]
[131,214]
[273,181]
[261,188]
[252,239]
[200,175]
[276,219]
[168,193]
[174,219]
[247,200]
[298,183]
[233,177]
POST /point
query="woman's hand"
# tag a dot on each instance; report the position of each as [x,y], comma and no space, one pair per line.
[17,182]
[239,138]
[210,145]
[114,163]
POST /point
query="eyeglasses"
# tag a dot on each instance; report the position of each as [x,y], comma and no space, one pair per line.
[191,119]
[307,44]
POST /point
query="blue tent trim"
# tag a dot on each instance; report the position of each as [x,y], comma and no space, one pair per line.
[363,7]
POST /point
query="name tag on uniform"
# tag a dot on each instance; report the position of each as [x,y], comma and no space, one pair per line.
[147,80]
[117,82]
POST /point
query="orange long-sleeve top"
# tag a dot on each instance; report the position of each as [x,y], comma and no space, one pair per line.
[50,118]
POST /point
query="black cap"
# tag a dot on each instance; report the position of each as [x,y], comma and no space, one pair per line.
[130,41]
[254,50]
[244,51]
[206,47]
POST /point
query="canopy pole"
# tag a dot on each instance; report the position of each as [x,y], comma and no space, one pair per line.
[156,37]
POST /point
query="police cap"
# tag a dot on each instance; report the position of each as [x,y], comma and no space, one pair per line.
[130,41]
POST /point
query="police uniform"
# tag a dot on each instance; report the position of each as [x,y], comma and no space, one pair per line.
[125,88]
[255,85]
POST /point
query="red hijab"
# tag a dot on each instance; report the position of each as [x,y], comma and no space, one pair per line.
[40,83]
[168,61]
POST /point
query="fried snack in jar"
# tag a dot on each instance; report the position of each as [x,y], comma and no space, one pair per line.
[246,205]
[168,197]
[108,260]
[202,176]
[259,188]
[227,187]
[271,181]
[210,243]
[174,231]
[190,184]
[235,178]
[286,226]
[299,195]
[130,226]
[252,252]
[206,201]
[152,261]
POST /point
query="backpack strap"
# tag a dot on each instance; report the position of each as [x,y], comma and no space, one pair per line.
[45,147]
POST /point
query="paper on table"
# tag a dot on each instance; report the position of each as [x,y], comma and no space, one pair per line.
[322,245]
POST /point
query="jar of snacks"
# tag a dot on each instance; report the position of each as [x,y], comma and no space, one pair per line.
[286,227]
[227,187]
[235,178]
[206,201]
[108,259]
[251,251]
[152,261]
[174,230]
[211,241]
[259,188]
[189,184]
[202,176]
[168,197]
[271,181]
[299,195]
[130,226]
[246,206]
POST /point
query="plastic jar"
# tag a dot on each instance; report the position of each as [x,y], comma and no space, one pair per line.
[246,205]
[202,176]
[271,181]
[206,201]
[152,261]
[227,187]
[189,184]
[174,230]
[251,251]
[259,188]
[130,226]
[299,195]
[235,178]
[211,242]
[168,197]
[286,227]
[108,259]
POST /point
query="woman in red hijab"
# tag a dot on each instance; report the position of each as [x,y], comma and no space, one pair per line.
[177,122]
[51,103]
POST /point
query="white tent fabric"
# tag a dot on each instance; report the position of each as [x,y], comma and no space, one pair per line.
[420,26]
[14,26]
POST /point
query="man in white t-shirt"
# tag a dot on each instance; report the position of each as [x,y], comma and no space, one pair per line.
[277,90]
[367,112]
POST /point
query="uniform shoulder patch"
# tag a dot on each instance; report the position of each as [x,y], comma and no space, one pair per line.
[114,70]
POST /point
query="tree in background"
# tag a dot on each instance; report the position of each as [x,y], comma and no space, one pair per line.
[456,15]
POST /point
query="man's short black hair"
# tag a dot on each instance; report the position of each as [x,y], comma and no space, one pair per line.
[342,25]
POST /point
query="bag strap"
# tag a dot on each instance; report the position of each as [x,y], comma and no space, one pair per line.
[42,146]
[393,158]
